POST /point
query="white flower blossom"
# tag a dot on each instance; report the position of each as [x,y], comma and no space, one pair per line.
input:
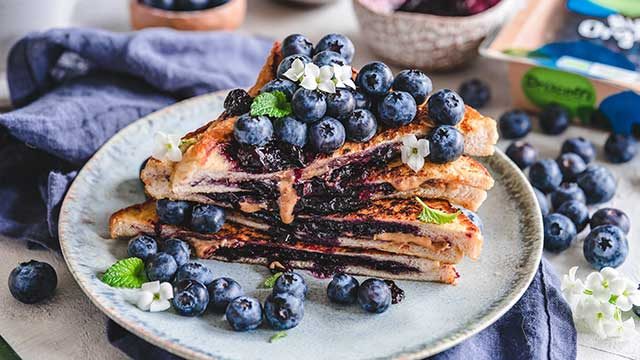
[318,78]
[572,288]
[620,329]
[596,314]
[342,76]
[155,296]
[167,147]
[296,71]
[626,293]
[414,151]
[598,283]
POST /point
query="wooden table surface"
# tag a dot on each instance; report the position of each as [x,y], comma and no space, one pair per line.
[71,327]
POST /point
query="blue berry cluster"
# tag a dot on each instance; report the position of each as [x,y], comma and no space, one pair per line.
[373,295]
[202,218]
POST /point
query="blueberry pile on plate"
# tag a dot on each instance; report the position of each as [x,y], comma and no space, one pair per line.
[566,186]
[183,5]
[321,105]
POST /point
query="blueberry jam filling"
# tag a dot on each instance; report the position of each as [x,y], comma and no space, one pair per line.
[324,263]
[272,157]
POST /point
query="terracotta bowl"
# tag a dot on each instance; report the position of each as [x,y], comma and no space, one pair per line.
[429,42]
[224,17]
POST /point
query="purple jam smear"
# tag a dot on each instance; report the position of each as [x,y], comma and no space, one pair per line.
[397,294]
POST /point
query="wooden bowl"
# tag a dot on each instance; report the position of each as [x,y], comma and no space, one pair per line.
[429,42]
[224,17]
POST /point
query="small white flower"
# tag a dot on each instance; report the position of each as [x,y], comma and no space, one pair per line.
[625,292]
[596,314]
[318,78]
[342,76]
[414,151]
[572,288]
[619,328]
[295,72]
[155,296]
[167,146]
[598,283]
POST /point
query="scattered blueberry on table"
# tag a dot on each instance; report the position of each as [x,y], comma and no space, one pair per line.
[566,192]
[522,154]
[598,183]
[542,201]
[545,175]
[475,92]
[32,282]
[577,212]
[611,216]
[571,165]
[514,124]
[580,146]
[554,119]
[190,298]
[606,246]
[559,232]
[620,148]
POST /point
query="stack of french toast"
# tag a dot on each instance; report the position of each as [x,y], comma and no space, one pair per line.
[355,210]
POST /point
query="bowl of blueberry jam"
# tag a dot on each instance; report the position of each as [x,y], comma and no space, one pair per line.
[429,34]
[188,14]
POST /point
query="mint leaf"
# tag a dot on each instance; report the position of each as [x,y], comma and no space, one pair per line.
[271,280]
[126,273]
[272,104]
[277,336]
[433,216]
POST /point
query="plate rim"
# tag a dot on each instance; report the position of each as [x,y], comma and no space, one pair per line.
[421,351]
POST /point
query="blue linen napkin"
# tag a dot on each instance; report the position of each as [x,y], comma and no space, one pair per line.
[75,88]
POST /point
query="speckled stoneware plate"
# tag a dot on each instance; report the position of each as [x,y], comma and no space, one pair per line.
[432,318]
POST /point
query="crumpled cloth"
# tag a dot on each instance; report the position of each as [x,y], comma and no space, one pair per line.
[75,88]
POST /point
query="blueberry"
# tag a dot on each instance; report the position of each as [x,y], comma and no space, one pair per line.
[222,291]
[360,125]
[285,64]
[296,44]
[554,119]
[253,130]
[191,5]
[598,184]
[283,311]
[606,246]
[161,267]
[611,216]
[398,108]
[328,58]
[237,102]
[244,313]
[577,212]
[337,43]
[545,175]
[288,87]
[32,282]
[341,103]
[581,146]
[542,201]
[207,218]
[375,79]
[567,192]
[620,148]
[343,289]
[194,271]
[446,144]
[446,107]
[142,246]
[475,92]
[475,218]
[160,4]
[559,232]
[190,298]
[514,124]
[291,131]
[362,100]
[374,296]
[308,105]
[178,249]
[522,153]
[327,135]
[173,212]
[415,82]
[291,283]
[571,165]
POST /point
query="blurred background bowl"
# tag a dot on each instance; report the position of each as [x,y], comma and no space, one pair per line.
[429,42]
[228,16]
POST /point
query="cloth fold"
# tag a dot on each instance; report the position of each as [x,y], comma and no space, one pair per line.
[75,88]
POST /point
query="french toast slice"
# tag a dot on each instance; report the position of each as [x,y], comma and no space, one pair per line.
[238,243]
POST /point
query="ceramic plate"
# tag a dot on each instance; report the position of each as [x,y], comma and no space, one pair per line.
[432,318]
